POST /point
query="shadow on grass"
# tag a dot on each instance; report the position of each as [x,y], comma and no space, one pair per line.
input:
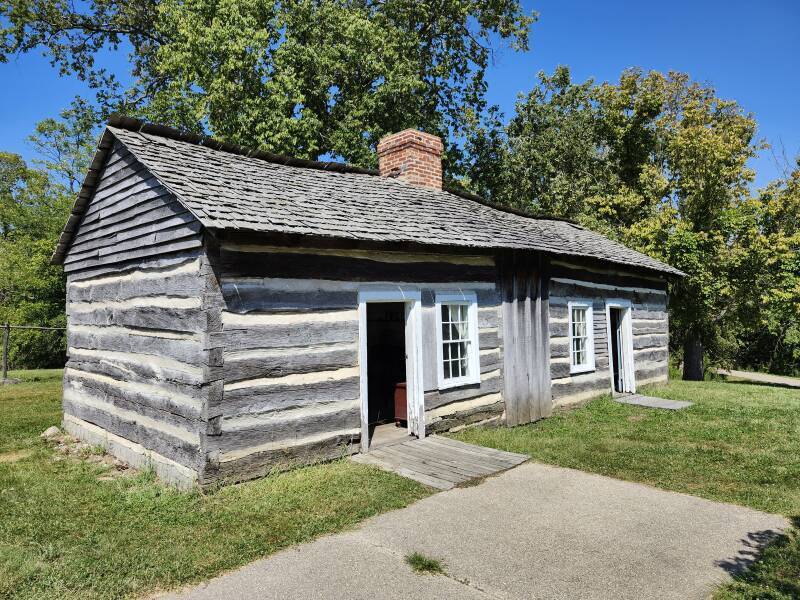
[770,560]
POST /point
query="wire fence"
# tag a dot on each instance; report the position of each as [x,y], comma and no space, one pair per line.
[7,327]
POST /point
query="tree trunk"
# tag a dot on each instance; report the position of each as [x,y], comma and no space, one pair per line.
[693,358]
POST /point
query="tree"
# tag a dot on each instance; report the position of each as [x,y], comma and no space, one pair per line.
[66,145]
[305,77]
[769,314]
[547,162]
[657,161]
[34,205]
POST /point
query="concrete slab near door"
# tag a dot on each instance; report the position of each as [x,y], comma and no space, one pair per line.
[651,402]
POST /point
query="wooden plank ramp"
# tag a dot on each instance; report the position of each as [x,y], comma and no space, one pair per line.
[440,462]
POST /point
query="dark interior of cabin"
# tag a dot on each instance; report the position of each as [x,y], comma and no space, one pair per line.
[386,359]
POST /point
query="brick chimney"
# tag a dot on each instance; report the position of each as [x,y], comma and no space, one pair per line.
[413,156]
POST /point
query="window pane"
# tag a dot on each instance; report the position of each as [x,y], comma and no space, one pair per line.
[579,334]
[463,354]
[456,336]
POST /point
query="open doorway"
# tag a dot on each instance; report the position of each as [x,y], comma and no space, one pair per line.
[386,381]
[390,362]
[620,350]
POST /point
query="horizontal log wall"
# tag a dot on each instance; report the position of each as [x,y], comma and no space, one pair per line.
[139,367]
[137,362]
[648,298]
[289,338]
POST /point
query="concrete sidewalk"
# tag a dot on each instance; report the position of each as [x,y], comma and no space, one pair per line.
[533,532]
[766,378]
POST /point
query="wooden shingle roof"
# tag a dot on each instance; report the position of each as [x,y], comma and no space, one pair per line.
[227,187]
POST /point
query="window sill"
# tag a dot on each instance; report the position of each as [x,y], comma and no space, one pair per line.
[457,383]
[582,370]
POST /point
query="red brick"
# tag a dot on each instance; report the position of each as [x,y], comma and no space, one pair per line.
[413,156]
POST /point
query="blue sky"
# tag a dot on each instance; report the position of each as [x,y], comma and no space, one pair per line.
[750,51]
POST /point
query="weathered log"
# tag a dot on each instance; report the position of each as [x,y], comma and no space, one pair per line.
[289,336]
[269,363]
[332,267]
[131,428]
[437,398]
[265,398]
[262,463]
[284,427]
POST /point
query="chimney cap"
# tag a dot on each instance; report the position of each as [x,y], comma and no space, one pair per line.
[410,137]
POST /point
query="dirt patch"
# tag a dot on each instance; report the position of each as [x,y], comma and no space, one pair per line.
[69,448]
[14,456]
[637,418]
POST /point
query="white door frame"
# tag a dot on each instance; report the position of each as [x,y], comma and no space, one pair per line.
[412,300]
[626,351]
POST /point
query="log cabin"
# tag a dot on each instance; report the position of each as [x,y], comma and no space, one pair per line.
[231,311]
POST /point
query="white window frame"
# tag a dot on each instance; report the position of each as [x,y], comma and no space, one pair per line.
[473,352]
[590,361]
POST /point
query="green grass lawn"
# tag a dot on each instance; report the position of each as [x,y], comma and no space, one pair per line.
[739,443]
[64,534]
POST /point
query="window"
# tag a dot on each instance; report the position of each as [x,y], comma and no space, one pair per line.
[581,339]
[457,339]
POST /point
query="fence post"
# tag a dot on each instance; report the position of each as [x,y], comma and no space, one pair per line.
[6,330]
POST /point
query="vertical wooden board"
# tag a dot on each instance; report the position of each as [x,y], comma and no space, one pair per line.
[526,341]
[542,363]
[510,345]
[526,338]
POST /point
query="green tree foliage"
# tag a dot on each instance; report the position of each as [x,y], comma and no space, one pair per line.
[660,162]
[769,269]
[66,145]
[34,204]
[305,77]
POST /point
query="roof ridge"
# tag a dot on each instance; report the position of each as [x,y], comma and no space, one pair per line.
[140,126]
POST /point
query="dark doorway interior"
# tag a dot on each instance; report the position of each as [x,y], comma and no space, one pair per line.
[386,359]
[615,314]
